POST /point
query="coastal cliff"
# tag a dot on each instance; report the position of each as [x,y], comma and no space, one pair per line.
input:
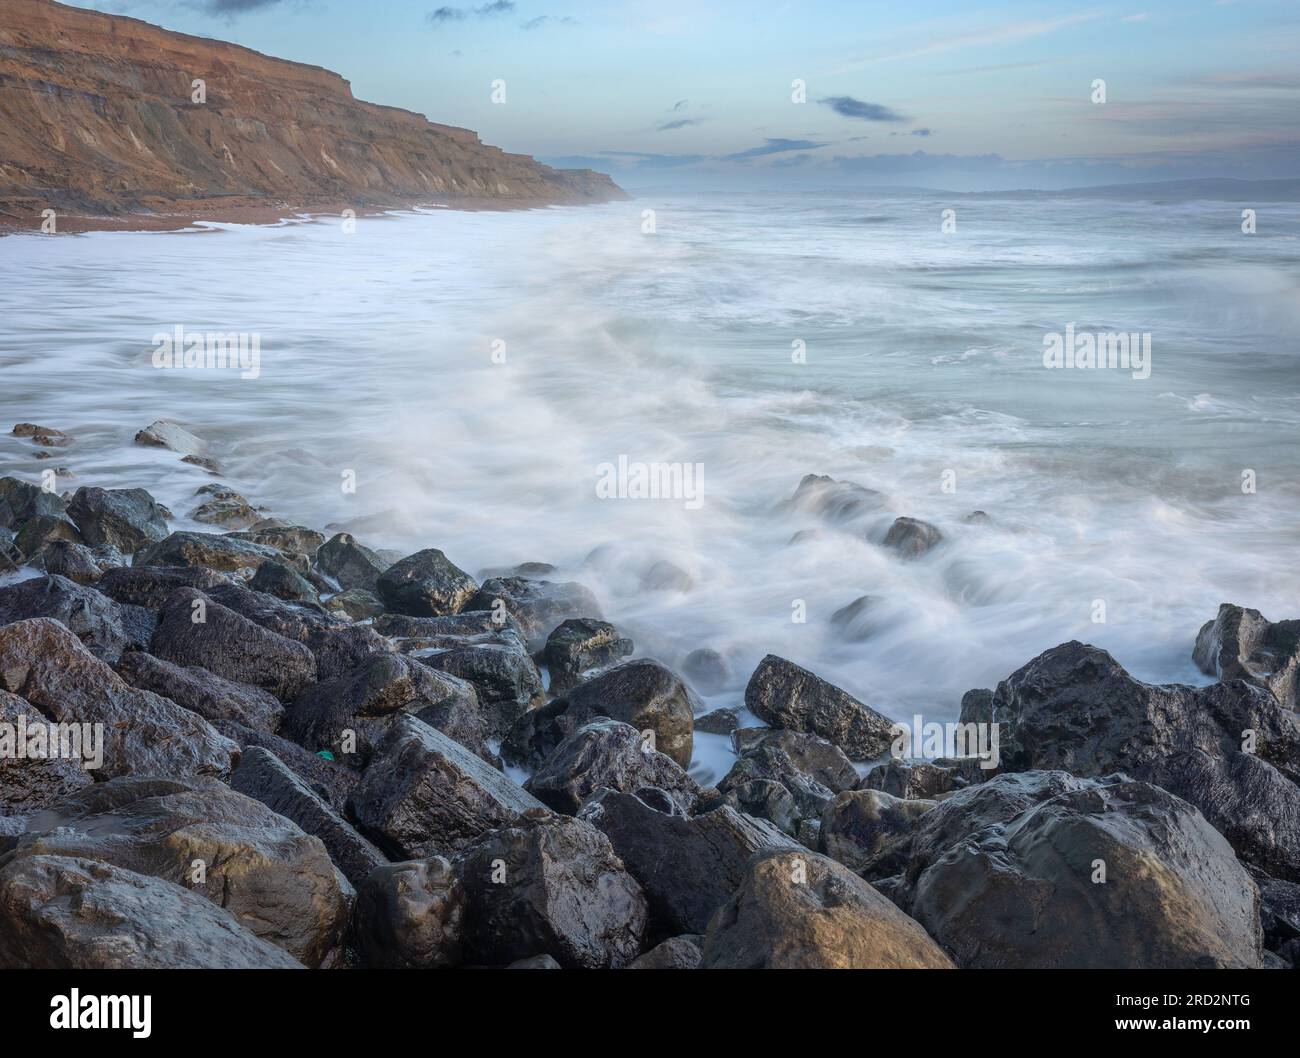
[100,121]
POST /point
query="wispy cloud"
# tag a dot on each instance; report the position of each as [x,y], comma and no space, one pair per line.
[443,15]
[847,106]
[549,20]
[680,123]
[773,146]
[230,8]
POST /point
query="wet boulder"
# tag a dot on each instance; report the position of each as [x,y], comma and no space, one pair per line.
[265,778]
[870,831]
[277,881]
[646,695]
[410,916]
[912,538]
[687,866]
[296,540]
[201,691]
[356,604]
[507,681]
[1045,870]
[77,562]
[127,519]
[925,779]
[145,733]
[577,647]
[106,627]
[32,773]
[809,769]
[540,606]
[425,794]
[194,629]
[1241,644]
[1230,749]
[800,911]
[676,953]
[349,564]
[718,722]
[551,885]
[784,695]
[377,690]
[275,578]
[425,584]
[537,733]
[151,586]
[607,754]
[71,913]
[225,554]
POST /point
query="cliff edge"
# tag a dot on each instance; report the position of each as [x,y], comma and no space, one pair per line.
[98,120]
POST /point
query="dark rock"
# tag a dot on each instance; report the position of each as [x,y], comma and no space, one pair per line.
[30,782]
[378,689]
[784,695]
[1007,874]
[150,586]
[332,781]
[551,885]
[539,606]
[798,910]
[834,501]
[453,629]
[783,751]
[230,645]
[809,769]
[1074,708]
[924,780]
[21,501]
[338,646]
[356,604]
[1240,644]
[279,580]
[1279,912]
[424,793]
[44,663]
[127,519]
[580,646]
[294,540]
[28,429]
[676,953]
[66,913]
[766,799]
[77,562]
[39,532]
[718,722]
[532,570]
[505,677]
[209,550]
[912,538]
[538,732]
[277,881]
[350,564]
[201,691]
[610,754]
[106,627]
[646,695]
[870,831]
[410,916]
[265,778]
[225,507]
[535,962]
[424,584]
[707,670]
[687,867]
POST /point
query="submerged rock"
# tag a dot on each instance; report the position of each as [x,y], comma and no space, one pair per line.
[707,670]
[784,695]
[834,501]
[912,538]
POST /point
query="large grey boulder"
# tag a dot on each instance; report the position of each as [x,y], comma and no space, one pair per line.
[200,691]
[73,913]
[425,584]
[1045,870]
[349,564]
[800,911]
[143,733]
[1241,644]
[106,628]
[424,794]
[410,916]
[646,695]
[277,881]
[32,773]
[579,646]
[551,885]
[127,519]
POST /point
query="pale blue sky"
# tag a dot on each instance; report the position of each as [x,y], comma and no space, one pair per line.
[937,93]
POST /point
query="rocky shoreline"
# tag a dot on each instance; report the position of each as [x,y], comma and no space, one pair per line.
[310,751]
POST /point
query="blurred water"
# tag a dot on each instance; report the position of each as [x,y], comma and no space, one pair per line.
[924,355]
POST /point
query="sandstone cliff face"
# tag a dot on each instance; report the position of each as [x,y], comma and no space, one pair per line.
[97,117]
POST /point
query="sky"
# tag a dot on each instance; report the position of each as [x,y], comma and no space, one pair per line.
[952,94]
